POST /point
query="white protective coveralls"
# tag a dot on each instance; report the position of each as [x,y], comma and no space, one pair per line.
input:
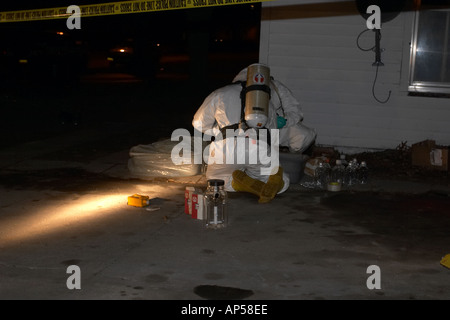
[223,108]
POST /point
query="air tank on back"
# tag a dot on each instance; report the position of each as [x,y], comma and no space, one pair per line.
[257,96]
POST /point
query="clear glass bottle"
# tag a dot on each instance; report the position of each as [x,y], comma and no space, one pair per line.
[322,175]
[317,173]
[363,173]
[326,177]
[338,172]
[351,172]
[215,205]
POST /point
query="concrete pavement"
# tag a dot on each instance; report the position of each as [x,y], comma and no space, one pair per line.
[59,210]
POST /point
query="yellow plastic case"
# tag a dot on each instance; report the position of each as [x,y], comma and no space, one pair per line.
[137,200]
[446,261]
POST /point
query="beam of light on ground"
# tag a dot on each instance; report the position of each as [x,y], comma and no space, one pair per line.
[52,217]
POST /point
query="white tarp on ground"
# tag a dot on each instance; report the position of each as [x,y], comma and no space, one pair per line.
[154,160]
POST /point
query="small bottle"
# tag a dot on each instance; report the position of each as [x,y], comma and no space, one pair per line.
[343,161]
[351,173]
[326,177]
[215,205]
[317,174]
[322,175]
[338,172]
[363,173]
[355,167]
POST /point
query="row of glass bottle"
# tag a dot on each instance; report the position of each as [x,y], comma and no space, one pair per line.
[340,175]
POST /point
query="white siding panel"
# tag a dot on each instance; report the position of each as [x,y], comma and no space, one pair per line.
[318,59]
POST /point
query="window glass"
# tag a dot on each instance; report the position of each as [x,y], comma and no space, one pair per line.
[430,60]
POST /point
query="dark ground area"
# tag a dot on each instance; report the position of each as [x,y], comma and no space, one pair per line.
[397,164]
[147,109]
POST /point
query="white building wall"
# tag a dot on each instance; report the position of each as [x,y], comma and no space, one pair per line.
[311,47]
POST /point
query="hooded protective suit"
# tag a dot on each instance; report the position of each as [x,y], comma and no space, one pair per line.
[222,108]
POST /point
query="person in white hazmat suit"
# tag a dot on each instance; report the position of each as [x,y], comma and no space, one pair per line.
[222,109]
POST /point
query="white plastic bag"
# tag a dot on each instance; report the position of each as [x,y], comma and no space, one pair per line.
[154,160]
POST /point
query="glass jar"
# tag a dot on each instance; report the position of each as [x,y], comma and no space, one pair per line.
[215,205]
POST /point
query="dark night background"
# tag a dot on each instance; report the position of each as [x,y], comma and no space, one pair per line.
[53,84]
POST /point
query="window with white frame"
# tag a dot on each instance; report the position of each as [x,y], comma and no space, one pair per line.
[430,49]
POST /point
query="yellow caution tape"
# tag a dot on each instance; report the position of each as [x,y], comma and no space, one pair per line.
[113,8]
